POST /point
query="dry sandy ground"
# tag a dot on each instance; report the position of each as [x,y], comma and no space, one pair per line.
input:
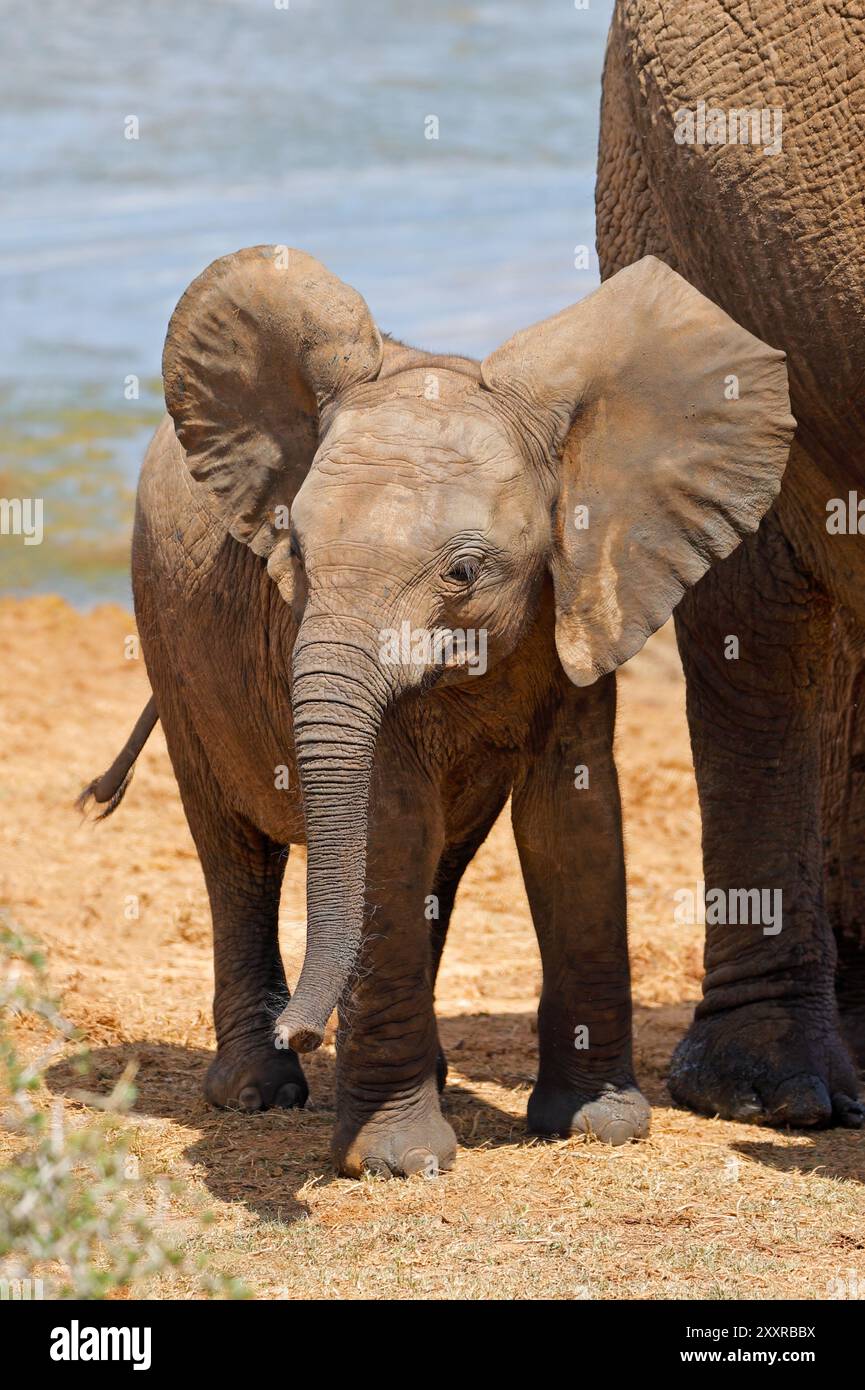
[703,1208]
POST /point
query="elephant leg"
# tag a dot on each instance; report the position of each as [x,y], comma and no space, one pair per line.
[843,779]
[388,1115]
[243,871]
[765,1043]
[569,838]
[453,863]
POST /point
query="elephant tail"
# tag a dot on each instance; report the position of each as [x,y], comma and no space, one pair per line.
[109,789]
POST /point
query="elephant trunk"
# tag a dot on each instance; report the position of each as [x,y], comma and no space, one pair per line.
[338,697]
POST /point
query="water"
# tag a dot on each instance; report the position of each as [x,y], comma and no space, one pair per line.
[303,126]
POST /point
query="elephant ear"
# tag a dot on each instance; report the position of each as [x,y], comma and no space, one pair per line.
[670,426]
[257,345]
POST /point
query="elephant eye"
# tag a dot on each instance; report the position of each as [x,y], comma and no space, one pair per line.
[464,571]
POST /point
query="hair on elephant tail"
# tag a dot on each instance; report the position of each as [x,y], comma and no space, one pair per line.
[82,802]
[109,789]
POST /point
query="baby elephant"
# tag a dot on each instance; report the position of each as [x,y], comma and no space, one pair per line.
[379,591]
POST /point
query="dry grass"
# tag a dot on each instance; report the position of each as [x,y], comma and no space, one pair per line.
[703,1208]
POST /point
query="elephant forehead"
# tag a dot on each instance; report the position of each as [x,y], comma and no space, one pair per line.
[416,438]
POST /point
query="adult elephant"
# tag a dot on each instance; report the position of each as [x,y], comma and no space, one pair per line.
[378,590]
[731,146]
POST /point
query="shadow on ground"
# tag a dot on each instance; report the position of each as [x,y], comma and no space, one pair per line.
[263,1161]
[829,1153]
[245,1158]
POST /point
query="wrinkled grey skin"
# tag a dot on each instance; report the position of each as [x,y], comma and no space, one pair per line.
[778,241]
[314,487]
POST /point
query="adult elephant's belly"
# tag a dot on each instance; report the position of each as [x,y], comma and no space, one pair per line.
[737,156]
[217,639]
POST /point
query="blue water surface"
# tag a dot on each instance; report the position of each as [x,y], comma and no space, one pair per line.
[304,125]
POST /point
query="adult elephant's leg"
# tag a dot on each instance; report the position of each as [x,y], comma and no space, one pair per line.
[843,778]
[388,1115]
[243,871]
[765,1042]
[568,829]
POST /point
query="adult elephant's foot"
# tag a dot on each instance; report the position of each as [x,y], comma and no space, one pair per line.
[396,1140]
[253,1080]
[611,1113]
[767,1064]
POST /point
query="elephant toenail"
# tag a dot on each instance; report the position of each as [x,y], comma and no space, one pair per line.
[802,1101]
[250,1098]
[375,1167]
[616,1132]
[289,1096]
[420,1161]
[850,1112]
[747,1106]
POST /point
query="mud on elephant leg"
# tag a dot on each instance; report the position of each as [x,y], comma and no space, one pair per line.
[243,870]
[388,1116]
[765,1043]
[843,784]
[567,824]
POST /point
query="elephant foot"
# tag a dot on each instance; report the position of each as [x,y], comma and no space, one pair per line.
[256,1080]
[614,1114]
[764,1064]
[396,1142]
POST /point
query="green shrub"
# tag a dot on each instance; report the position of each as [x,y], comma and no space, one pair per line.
[74,1217]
